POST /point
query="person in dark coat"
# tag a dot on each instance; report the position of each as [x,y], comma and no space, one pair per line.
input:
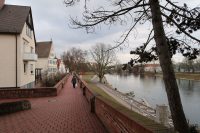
[74,81]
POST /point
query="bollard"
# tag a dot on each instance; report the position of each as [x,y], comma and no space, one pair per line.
[81,84]
[62,85]
[92,102]
[84,89]
[162,114]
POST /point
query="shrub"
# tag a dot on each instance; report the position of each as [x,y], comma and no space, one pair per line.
[11,107]
[193,129]
[52,80]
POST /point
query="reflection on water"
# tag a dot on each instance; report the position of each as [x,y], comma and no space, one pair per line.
[153,90]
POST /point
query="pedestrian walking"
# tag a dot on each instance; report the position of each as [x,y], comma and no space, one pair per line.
[74,81]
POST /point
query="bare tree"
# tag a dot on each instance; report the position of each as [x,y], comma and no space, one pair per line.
[197,64]
[74,59]
[188,65]
[102,58]
[184,20]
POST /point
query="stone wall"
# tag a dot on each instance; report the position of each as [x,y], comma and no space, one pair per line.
[60,85]
[114,120]
[33,92]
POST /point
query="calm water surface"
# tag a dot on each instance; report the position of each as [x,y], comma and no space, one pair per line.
[153,90]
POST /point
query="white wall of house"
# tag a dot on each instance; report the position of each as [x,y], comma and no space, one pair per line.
[42,63]
[62,68]
[48,64]
[52,66]
[8,61]
[27,45]
[52,62]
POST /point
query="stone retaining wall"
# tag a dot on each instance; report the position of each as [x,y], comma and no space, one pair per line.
[114,120]
[33,92]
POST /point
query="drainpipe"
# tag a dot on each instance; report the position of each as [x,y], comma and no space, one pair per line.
[16,58]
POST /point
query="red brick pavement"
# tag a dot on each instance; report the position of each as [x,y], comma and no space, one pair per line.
[69,112]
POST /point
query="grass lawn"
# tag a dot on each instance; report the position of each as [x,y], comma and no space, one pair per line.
[179,75]
[190,76]
[112,102]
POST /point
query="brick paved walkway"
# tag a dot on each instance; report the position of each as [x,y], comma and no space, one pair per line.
[69,112]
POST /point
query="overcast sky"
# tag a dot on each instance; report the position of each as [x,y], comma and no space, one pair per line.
[51,20]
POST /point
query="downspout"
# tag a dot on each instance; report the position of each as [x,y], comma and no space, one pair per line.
[16,57]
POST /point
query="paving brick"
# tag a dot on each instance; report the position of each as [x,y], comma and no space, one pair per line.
[69,112]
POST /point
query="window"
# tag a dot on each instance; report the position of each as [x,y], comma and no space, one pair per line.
[28,31]
[25,46]
[50,62]
[25,67]
[29,19]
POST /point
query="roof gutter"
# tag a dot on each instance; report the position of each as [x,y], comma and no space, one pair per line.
[16,58]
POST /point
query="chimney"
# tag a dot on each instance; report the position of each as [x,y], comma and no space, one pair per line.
[2,2]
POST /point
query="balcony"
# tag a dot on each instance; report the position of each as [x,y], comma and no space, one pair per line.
[30,57]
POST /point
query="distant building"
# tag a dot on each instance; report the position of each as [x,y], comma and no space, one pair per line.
[17,46]
[47,61]
[61,66]
[152,68]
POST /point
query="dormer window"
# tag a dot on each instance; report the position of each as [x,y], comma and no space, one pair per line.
[29,19]
[28,31]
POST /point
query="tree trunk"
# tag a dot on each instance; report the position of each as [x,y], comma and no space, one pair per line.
[171,86]
[100,79]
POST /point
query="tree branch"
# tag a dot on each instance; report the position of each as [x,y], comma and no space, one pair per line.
[177,25]
[129,31]
[101,16]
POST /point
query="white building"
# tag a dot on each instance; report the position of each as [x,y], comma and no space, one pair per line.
[152,68]
[47,61]
[17,46]
[61,66]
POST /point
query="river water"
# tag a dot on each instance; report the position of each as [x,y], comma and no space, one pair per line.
[153,90]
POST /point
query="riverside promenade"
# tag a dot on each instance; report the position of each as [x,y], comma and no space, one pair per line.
[69,112]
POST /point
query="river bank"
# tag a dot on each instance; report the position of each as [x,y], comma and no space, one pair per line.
[179,75]
[153,90]
[106,93]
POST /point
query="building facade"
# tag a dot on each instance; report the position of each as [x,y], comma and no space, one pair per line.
[152,68]
[47,61]
[17,47]
[61,66]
